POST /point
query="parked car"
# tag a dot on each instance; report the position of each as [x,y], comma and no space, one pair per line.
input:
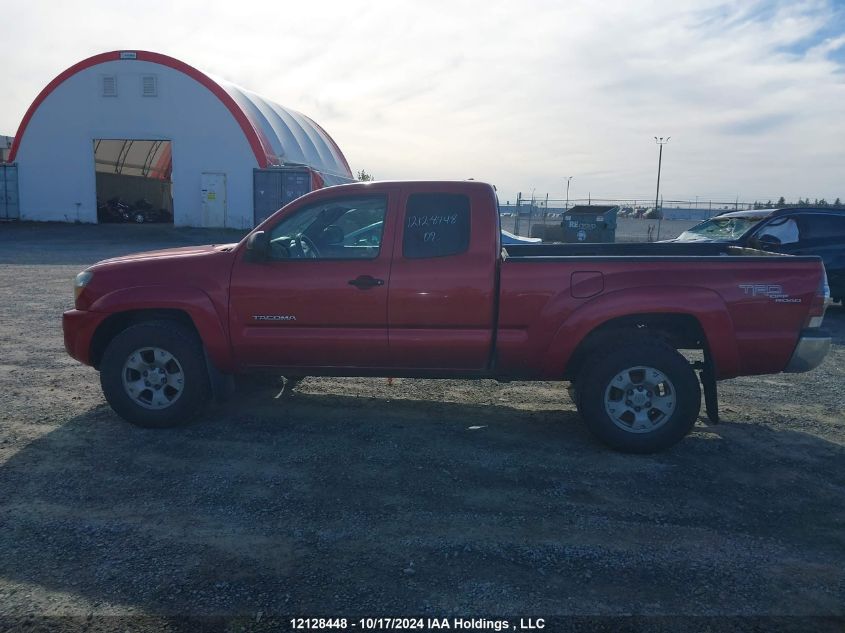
[793,231]
[437,296]
[144,211]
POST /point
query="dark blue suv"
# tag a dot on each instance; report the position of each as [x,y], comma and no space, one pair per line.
[794,231]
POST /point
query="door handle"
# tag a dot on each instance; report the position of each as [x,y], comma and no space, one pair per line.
[365,282]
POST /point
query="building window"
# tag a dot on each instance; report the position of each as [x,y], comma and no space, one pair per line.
[109,86]
[149,86]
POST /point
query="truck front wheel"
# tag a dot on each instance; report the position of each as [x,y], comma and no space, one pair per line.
[642,397]
[153,374]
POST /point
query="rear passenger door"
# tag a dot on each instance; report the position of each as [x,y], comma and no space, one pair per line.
[441,301]
[823,235]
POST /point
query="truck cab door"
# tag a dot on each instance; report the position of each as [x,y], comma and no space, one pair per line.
[442,298]
[320,299]
[823,235]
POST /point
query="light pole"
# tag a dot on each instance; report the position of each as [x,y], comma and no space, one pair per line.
[568,178]
[531,211]
[661,143]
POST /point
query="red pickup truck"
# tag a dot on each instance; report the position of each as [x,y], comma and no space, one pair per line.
[411,279]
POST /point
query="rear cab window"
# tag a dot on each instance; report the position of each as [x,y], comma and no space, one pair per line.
[436,225]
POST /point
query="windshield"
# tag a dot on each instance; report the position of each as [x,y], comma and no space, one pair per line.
[719,229]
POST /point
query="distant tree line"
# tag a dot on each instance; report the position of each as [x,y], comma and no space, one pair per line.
[781,203]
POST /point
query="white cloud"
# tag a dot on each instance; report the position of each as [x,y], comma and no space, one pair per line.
[520,94]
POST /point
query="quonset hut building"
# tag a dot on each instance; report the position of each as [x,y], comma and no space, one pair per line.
[138,125]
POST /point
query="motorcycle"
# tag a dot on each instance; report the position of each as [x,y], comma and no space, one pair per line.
[113,210]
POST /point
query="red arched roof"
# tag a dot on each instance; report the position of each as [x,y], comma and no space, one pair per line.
[258,141]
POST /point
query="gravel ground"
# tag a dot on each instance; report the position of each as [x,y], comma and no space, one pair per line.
[352,496]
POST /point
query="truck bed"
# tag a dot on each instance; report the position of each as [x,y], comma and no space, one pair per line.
[752,303]
[633,249]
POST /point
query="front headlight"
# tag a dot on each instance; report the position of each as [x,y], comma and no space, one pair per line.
[79,283]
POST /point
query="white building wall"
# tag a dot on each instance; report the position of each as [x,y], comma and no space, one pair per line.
[56,154]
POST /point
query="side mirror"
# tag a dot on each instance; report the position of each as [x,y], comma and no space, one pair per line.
[258,247]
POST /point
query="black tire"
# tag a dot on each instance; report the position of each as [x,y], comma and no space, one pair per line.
[606,364]
[186,349]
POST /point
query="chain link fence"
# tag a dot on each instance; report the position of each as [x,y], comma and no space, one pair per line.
[636,219]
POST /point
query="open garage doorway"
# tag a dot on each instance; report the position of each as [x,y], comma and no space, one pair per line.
[134,180]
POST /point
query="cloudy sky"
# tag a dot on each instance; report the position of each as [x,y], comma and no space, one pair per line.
[518,93]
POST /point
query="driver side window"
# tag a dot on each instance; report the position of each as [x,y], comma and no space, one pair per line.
[342,228]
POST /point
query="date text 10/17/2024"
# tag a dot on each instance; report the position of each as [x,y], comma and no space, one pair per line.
[418,624]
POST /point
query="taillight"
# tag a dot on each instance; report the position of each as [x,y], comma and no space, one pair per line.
[819,303]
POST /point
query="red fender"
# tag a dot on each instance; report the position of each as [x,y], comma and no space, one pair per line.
[196,303]
[706,306]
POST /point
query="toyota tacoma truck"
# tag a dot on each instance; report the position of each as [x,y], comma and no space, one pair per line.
[410,279]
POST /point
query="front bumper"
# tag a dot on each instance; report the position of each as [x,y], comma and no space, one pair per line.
[813,346]
[79,327]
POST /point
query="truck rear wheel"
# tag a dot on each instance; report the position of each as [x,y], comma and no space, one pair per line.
[641,397]
[153,374]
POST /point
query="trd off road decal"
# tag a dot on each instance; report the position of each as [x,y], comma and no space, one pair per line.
[772,291]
